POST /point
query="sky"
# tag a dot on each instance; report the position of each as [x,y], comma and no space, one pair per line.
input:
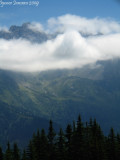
[18,14]
[71,19]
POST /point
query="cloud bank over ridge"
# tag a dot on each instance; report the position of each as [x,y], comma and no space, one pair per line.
[71,48]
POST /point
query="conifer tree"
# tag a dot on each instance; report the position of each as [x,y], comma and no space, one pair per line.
[118,147]
[43,146]
[24,155]
[112,145]
[36,145]
[68,136]
[87,142]
[16,152]
[51,133]
[82,142]
[61,145]
[96,141]
[77,143]
[8,153]
[30,151]
[1,154]
[51,141]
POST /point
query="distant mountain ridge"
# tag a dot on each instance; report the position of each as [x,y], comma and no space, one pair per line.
[16,32]
[35,36]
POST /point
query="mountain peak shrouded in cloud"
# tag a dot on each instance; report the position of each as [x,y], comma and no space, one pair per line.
[26,31]
[68,41]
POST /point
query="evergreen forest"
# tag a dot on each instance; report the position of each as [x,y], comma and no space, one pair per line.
[78,141]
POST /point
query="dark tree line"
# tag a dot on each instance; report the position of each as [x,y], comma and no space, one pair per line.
[78,142]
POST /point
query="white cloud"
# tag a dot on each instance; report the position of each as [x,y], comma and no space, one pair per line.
[36,27]
[4,29]
[87,26]
[68,50]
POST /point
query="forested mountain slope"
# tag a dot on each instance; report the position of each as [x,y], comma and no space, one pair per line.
[29,99]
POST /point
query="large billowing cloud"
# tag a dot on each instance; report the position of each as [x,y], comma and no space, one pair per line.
[69,49]
[81,24]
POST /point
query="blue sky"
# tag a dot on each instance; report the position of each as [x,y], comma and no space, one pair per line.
[53,8]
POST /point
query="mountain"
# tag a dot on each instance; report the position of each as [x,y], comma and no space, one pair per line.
[18,117]
[31,34]
[16,32]
[18,125]
[29,100]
